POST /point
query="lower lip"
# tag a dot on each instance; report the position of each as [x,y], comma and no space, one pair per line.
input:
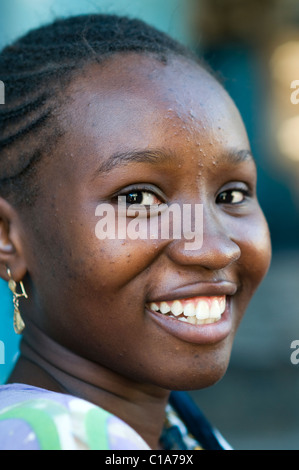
[209,333]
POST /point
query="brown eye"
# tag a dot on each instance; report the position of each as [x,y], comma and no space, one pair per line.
[233,196]
[134,198]
[145,198]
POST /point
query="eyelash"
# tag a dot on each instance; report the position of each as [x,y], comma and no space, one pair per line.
[245,192]
[151,193]
[144,189]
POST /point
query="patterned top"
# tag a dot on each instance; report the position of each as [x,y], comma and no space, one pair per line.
[32,418]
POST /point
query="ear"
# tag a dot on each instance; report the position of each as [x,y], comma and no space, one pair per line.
[11,246]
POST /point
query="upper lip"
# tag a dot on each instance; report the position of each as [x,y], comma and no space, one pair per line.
[199,289]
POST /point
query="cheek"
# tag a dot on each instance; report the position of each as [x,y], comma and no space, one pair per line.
[121,251]
[255,246]
[115,256]
[119,261]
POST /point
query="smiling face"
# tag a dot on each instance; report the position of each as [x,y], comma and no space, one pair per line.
[153,133]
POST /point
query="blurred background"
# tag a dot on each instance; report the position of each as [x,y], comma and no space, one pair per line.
[253,45]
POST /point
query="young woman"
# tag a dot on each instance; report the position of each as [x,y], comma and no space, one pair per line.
[101,109]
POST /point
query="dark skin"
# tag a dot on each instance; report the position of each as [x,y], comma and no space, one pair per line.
[88,331]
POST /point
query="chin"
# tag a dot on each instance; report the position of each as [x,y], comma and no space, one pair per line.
[202,375]
[201,381]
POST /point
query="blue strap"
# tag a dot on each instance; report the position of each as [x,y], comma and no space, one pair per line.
[195,421]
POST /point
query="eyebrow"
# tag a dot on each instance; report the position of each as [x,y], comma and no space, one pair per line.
[239,156]
[135,156]
[158,156]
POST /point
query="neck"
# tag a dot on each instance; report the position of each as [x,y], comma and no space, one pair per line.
[46,364]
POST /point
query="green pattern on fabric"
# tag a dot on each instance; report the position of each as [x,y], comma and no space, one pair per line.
[96,429]
[38,414]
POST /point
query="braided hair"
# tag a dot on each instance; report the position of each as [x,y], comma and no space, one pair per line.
[36,68]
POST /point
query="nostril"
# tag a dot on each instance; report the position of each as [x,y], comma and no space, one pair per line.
[214,254]
[219,256]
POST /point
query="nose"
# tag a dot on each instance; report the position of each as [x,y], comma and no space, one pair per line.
[217,250]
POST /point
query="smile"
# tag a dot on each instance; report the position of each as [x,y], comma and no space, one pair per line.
[196,311]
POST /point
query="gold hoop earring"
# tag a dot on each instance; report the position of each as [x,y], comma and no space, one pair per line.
[18,322]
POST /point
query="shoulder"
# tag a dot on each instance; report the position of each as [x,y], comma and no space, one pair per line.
[36,419]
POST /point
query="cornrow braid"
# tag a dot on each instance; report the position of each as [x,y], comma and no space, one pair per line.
[36,68]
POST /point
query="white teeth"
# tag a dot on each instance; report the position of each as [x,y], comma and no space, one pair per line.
[202,310]
[215,310]
[164,307]
[197,311]
[189,310]
[222,304]
[177,308]
[192,320]
[154,307]
[183,319]
[209,320]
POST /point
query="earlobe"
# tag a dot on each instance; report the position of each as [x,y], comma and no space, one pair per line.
[6,245]
[11,253]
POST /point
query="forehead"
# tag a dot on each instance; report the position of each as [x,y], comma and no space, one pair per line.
[132,99]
